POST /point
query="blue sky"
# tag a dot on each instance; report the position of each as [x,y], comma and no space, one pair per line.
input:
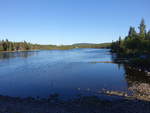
[70,21]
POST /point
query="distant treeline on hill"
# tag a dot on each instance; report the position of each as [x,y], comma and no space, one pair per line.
[6,45]
[135,43]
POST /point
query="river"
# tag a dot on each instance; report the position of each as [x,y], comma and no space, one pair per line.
[66,72]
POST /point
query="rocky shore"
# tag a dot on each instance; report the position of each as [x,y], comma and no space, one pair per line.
[88,104]
[139,91]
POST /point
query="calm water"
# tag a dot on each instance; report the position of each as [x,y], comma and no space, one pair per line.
[41,73]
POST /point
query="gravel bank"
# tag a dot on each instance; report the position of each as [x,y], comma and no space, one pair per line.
[80,105]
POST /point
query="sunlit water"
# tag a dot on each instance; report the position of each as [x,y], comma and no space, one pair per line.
[66,72]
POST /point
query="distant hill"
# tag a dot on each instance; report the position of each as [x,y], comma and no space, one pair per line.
[92,45]
[83,44]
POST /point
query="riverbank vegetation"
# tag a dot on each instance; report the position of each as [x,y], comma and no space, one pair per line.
[6,45]
[135,46]
[135,42]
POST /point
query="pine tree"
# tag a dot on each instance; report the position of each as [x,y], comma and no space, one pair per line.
[148,35]
[142,29]
[1,46]
[132,32]
[119,40]
[4,45]
[11,46]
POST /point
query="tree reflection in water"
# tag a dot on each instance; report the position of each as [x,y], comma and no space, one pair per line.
[138,82]
[23,54]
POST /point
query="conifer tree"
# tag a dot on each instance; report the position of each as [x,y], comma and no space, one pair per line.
[142,29]
[132,32]
[148,35]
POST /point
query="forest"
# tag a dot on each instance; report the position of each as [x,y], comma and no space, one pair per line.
[135,43]
[6,45]
[135,47]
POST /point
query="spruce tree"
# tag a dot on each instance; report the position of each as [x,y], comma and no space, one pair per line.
[148,35]
[132,32]
[142,29]
[119,41]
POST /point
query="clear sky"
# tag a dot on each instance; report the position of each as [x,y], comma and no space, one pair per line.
[70,21]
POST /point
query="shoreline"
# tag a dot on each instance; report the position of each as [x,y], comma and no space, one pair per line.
[84,104]
[19,51]
[48,49]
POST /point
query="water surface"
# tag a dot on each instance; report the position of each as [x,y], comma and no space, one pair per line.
[66,72]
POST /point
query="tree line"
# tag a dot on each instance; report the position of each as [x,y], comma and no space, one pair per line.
[6,45]
[134,43]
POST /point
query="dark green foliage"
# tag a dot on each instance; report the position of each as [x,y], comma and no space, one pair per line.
[132,32]
[148,35]
[142,28]
[135,43]
[6,45]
